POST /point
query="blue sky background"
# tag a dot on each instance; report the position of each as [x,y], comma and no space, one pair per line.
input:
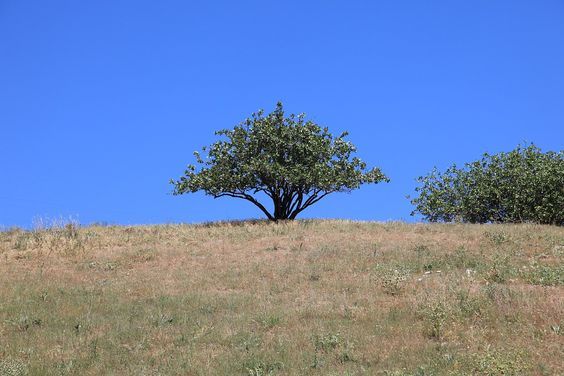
[102,102]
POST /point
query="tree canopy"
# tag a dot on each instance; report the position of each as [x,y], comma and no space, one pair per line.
[523,185]
[292,161]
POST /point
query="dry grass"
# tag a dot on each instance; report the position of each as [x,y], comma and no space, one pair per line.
[301,298]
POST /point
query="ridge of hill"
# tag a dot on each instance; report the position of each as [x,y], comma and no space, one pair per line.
[304,297]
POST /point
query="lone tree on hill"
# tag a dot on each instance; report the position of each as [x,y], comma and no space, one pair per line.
[523,185]
[291,160]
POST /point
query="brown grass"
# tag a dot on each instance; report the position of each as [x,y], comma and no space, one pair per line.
[298,298]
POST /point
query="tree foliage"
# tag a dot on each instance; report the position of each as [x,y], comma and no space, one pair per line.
[291,160]
[523,185]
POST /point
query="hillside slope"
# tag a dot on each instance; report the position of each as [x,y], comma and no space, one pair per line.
[308,297]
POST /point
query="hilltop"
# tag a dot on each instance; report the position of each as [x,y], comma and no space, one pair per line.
[303,297]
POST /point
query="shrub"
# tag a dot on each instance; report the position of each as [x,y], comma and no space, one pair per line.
[523,185]
[392,280]
[435,315]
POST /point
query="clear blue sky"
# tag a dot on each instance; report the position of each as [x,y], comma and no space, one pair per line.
[102,102]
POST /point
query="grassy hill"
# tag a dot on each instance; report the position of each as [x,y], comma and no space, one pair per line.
[301,298]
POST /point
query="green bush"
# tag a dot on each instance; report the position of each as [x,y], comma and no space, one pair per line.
[523,185]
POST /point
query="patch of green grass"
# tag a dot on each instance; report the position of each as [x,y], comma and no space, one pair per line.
[545,275]
[497,237]
[259,367]
[13,367]
[496,362]
[500,269]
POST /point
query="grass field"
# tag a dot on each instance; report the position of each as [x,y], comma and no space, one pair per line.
[301,298]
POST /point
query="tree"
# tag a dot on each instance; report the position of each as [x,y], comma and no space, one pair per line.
[523,185]
[289,160]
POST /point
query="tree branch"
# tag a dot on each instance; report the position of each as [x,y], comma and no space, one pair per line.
[247,197]
[310,201]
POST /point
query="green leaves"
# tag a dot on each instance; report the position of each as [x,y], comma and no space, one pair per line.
[523,185]
[292,160]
